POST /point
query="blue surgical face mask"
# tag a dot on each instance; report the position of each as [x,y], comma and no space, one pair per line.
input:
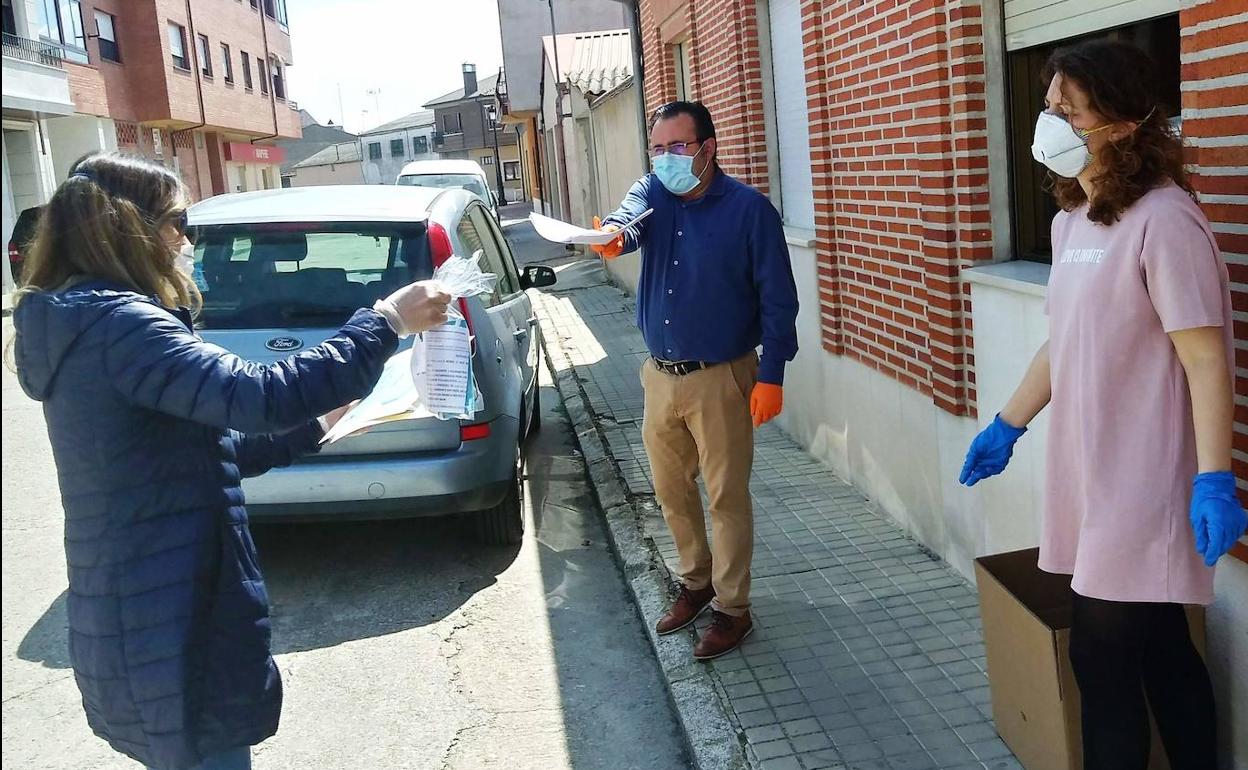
[676,172]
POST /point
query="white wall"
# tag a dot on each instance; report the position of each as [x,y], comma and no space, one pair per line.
[1227,656]
[334,173]
[387,169]
[618,163]
[73,136]
[8,218]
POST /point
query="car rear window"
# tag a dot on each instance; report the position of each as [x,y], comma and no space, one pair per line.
[468,182]
[302,276]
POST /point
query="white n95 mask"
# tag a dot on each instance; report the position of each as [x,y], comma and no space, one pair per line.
[185,261]
[1060,146]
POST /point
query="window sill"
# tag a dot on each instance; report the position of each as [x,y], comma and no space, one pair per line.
[184,70]
[799,237]
[1020,277]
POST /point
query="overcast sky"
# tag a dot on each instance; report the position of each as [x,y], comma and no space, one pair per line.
[409,50]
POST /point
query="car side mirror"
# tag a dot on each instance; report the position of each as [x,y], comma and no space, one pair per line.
[538,277]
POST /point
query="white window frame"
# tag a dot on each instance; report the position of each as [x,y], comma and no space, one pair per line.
[177,46]
[105,20]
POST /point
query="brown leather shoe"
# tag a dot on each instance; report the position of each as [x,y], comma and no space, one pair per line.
[686,609]
[724,635]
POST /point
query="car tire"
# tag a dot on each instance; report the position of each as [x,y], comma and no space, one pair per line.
[535,422]
[504,523]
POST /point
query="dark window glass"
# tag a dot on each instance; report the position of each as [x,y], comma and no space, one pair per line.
[316,277]
[1033,207]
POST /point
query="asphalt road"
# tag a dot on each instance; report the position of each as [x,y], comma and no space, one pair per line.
[403,645]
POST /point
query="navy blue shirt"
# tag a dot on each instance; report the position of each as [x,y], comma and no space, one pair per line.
[716,281]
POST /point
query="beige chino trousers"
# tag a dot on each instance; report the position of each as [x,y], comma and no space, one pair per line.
[701,423]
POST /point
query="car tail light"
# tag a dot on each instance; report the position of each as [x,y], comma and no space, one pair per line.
[441,250]
[474,432]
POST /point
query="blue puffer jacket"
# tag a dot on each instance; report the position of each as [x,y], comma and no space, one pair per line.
[152,429]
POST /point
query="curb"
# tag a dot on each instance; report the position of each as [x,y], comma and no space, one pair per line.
[714,742]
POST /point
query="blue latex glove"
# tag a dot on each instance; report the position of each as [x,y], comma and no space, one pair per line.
[990,451]
[1217,517]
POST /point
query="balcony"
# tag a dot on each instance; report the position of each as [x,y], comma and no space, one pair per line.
[35,80]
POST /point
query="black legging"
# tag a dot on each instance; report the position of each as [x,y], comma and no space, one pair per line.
[1122,650]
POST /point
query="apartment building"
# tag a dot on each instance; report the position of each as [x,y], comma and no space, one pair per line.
[386,149]
[467,126]
[894,137]
[199,85]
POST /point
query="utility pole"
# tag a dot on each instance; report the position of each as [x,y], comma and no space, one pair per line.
[562,159]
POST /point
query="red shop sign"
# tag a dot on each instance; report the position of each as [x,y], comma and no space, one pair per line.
[245,152]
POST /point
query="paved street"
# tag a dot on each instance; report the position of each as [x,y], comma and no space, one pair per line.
[403,645]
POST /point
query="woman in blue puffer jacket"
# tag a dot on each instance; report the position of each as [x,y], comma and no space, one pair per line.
[152,430]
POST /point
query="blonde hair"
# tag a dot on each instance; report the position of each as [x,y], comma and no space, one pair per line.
[105,222]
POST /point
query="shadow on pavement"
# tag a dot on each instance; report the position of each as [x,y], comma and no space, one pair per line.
[615,708]
[334,583]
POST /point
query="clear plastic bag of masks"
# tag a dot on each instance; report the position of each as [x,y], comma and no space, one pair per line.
[441,367]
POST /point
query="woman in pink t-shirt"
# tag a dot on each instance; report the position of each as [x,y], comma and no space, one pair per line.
[1140,499]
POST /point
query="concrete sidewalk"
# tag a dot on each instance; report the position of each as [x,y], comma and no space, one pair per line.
[867,653]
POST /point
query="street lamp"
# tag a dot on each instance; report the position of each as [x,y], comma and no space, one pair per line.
[492,113]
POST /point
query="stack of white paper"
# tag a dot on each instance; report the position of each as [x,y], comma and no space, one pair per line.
[562,232]
[394,398]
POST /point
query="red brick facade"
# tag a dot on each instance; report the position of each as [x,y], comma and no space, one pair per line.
[721,42]
[146,92]
[1215,121]
[899,147]
[899,160]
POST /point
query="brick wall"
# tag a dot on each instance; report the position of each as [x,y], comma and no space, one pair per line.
[898,142]
[898,131]
[1215,122]
[146,87]
[721,43]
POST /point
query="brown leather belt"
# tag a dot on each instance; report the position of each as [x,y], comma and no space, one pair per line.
[680,368]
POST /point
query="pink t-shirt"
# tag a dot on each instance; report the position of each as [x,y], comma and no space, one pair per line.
[1122,451]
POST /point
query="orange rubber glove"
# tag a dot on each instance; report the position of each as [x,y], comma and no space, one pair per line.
[611,250]
[766,402]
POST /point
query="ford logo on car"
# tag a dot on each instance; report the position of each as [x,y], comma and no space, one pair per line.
[283,344]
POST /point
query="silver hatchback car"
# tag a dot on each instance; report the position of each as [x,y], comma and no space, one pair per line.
[281,270]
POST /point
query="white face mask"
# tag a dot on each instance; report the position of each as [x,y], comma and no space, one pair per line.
[185,261]
[1061,146]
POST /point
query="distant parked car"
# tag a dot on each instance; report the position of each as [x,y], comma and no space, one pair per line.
[19,241]
[450,174]
[280,270]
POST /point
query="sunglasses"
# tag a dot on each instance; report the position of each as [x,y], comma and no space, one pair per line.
[182,223]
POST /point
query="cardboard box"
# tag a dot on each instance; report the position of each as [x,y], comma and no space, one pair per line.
[1035,701]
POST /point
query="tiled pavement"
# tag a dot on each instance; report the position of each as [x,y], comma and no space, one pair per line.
[868,652]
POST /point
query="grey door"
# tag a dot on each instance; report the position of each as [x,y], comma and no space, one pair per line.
[505,306]
[521,305]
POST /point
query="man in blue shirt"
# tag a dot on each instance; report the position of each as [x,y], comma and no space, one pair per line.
[716,283]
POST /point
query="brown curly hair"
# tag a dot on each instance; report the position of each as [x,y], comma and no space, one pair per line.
[1119,81]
